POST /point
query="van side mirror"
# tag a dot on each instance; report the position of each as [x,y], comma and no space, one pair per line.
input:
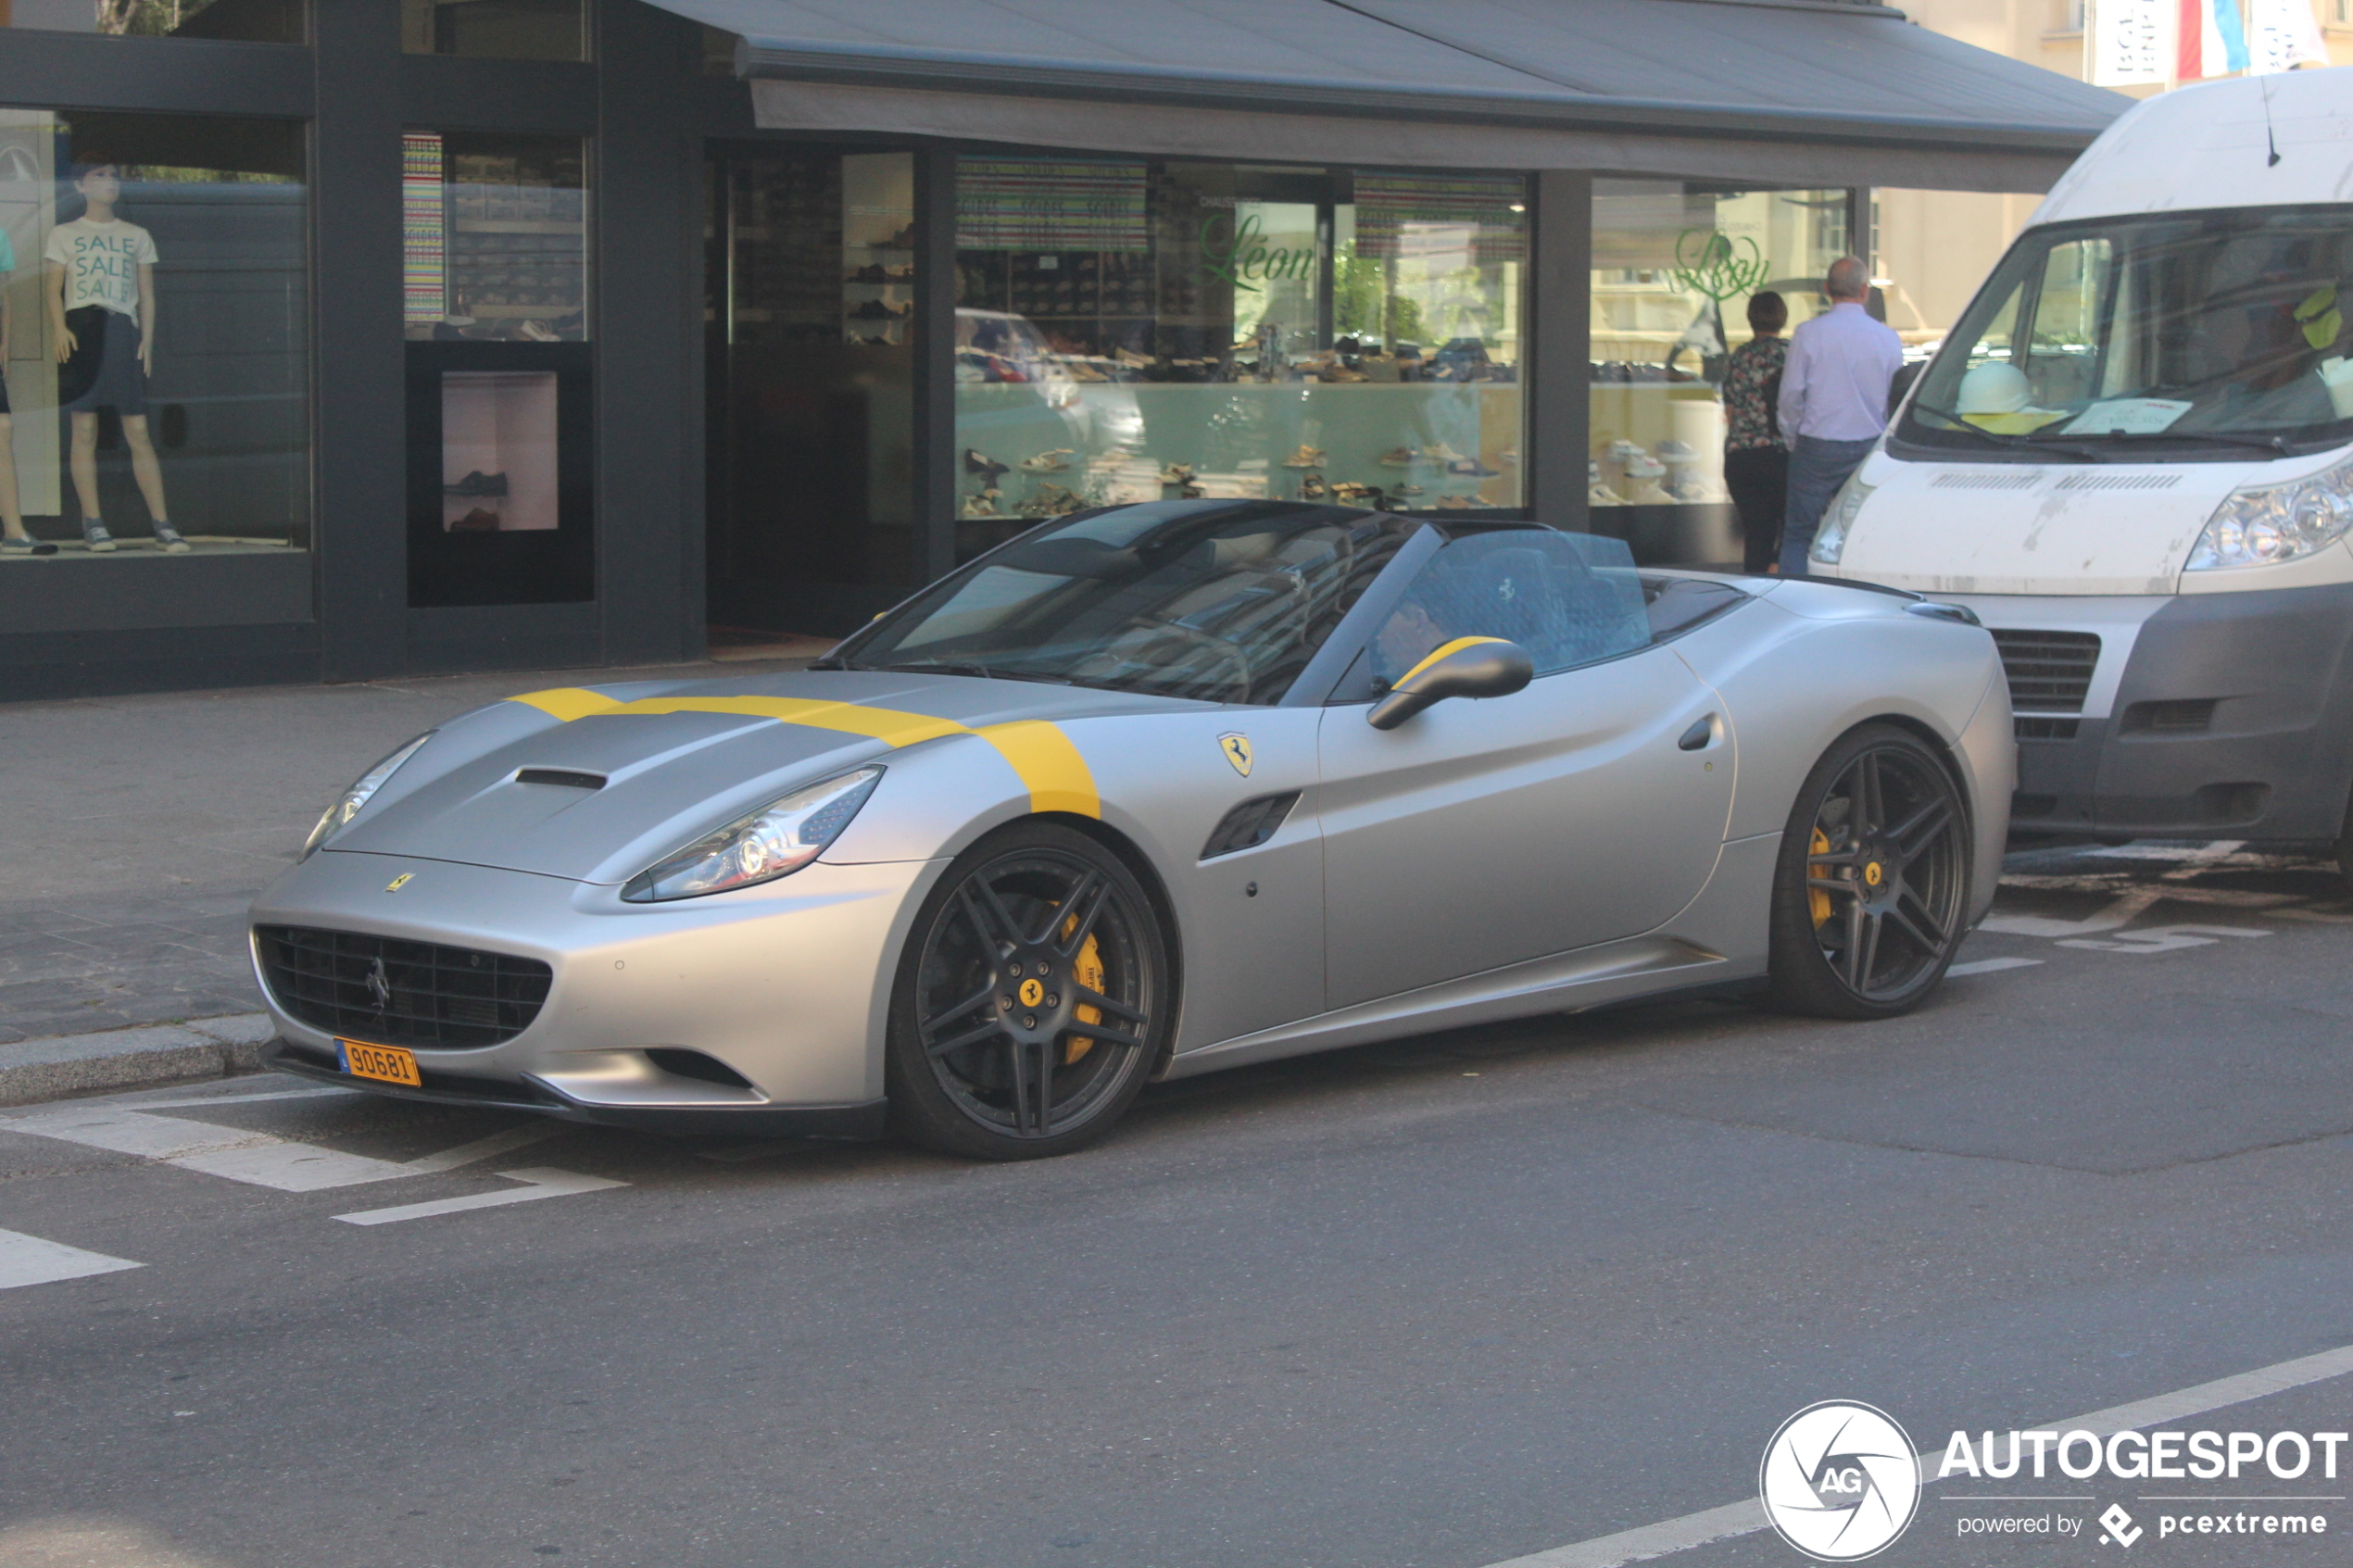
[1465,667]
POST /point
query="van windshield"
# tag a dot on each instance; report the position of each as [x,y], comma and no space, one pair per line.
[2164,335]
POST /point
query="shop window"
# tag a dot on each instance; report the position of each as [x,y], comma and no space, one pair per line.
[495,295]
[1675,267]
[154,291]
[495,237]
[509,30]
[1131,330]
[250,21]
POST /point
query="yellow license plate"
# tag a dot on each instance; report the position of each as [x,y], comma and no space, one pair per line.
[386,1065]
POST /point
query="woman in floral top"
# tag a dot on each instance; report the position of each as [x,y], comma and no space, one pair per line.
[1756,457]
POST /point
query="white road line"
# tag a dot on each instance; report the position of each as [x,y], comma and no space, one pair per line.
[256,1159]
[1990,966]
[1747,1516]
[542,1183]
[28,1259]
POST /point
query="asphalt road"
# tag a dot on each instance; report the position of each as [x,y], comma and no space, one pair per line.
[1445,1302]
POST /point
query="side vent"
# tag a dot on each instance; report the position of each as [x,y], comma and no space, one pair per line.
[682,1063]
[1248,824]
[562,778]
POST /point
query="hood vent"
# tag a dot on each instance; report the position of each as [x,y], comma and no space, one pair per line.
[562,778]
[2118,481]
[2026,480]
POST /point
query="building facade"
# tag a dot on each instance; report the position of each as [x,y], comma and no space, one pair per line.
[466,335]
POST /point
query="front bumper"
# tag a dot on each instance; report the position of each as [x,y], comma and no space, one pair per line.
[2207,715]
[788,986]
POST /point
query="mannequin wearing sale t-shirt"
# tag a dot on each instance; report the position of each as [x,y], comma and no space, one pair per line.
[102,287]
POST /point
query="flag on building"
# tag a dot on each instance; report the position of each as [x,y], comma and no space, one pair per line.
[2210,39]
[2287,35]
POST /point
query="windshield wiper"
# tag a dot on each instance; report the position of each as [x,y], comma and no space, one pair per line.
[983,670]
[2275,445]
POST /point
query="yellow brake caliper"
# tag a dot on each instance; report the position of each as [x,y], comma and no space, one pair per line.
[1817,903]
[1087,972]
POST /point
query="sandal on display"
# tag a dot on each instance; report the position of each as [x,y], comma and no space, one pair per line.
[1055,461]
[1305,458]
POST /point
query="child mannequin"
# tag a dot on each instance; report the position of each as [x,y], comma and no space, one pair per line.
[14,540]
[102,313]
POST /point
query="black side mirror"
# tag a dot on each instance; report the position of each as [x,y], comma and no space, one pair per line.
[1465,667]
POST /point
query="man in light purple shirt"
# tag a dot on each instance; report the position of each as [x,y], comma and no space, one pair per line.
[1833,402]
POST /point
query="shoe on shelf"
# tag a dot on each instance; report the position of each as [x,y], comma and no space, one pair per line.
[1305,458]
[1471,467]
[1055,461]
[27,545]
[479,521]
[1176,474]
[95,536]
[477,482]
[169,538]
[980,462]
[1312,488]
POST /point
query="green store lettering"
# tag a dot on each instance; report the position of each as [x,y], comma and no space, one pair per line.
[1246,256]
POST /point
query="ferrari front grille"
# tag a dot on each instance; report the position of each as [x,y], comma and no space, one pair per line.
[2049,671]
[391,992]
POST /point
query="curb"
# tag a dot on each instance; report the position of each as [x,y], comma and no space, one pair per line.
[124,1058]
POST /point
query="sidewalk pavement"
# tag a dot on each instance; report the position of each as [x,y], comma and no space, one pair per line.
[135,829]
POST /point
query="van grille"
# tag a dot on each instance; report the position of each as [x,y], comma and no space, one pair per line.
[395,993]
[2049,671]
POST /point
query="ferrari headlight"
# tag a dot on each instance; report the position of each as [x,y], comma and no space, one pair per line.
[2267,523]
[360,794]
[1829,540]
[774,841]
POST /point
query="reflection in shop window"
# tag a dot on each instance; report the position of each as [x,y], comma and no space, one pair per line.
[1132,331]
[152,287]
[495,237]
[251,22]
[511,29]
[1674,268]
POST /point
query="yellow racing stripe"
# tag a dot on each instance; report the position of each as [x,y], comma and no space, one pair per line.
[1441,652]
[1050,766]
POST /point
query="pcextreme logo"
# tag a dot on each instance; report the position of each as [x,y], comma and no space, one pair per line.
[1838,1481]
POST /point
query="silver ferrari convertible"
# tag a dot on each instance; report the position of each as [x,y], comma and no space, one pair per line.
[1146,792]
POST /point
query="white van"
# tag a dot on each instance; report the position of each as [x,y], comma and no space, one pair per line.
[2133,460]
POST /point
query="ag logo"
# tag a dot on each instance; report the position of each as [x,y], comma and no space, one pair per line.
[397,883]
[1032,993]
[1840,1481]
[1236,750]
[379,985]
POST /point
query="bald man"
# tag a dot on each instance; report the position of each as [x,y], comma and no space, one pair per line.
[1833,402]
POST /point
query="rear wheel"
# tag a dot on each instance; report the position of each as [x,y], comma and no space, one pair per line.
[1030,1001]
[1872,883]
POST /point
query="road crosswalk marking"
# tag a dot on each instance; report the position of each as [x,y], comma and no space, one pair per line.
[28,1259]
[256,1159]
[539,1183]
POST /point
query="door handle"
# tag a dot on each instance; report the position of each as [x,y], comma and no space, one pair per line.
[1698,736]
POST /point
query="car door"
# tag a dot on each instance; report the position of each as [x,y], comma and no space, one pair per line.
[1483,832]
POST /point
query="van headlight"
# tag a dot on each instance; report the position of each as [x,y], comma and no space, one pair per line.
[2264,524]
[757,846]
[1829,540]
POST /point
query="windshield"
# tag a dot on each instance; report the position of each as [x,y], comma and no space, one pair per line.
[1224,603]
[2186,334]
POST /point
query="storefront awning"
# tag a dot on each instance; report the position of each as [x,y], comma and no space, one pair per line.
[1791,91]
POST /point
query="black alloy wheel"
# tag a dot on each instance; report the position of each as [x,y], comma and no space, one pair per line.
[1030,1000]
[1872,885]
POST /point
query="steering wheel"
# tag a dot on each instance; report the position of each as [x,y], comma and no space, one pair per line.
[1224,647]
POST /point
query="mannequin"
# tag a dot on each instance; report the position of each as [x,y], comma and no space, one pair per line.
[102,314]
[14,540]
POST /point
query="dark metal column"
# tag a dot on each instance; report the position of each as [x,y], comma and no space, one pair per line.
[937,458]
[1555,366]
[359,387]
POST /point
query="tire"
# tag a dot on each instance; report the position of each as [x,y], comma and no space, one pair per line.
[1873,882]
[1033,997]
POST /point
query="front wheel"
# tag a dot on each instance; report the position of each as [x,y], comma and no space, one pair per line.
[1030,1001]
[1873,882]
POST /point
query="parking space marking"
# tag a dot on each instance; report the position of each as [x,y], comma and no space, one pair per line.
[1989,966]
[1747,1516]
[256,1159]
[2161,939]
[540,1182]
[28,1259]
